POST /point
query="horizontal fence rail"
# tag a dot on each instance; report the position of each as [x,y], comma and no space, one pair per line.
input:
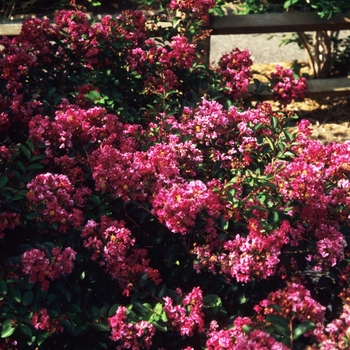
[277,23]
[10,29]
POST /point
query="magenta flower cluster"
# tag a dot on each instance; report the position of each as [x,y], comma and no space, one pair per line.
[110,244]
[59,198]
[236,73]
[42,320]
[200,8]
[189,316]
[43,267]
[286,87]
[130,335]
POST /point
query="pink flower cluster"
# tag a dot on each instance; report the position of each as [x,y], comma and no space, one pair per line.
[182,53]
[189,316]
[235,72]
[243,258]
[199,7]
[305,180]
[56,199]
[44,267]
[130,335]
[207,123]
[180,205]
[294,302]
[110,244]
[236,338]
[42,320]
[286,87]
[17,57]
[178,54]
[72,126]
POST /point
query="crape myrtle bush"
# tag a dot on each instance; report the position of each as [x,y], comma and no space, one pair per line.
[145,206]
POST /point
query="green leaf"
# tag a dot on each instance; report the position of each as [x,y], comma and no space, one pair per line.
[15,294]
[158,309]
[274,122]
[7,328]
[42,337]
[159,326]
[96,200]
[218,11]
[69,326]
[162,291]
[30,145]
[21,166]
[102,327]
[93,95]
[269,141]
[3,287]
[80,330]
[113,309]
[104,310]
[212,300]
[17,174]
[141,307]
[3,181]
[289,3]
[35,166]
[32,216]
[288,135]
[280,323]
[37,157]
[273,218]
[27,298]
[302,328]
[95,311]
[51,298]
[26,330]
[26,151]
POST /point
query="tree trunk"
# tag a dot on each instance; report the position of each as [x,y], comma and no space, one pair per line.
[319,51]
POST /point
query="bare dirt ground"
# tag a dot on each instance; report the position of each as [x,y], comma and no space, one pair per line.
[330,117]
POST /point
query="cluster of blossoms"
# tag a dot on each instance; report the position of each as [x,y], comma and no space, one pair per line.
[286,87]
[110,243]
[200,8]
[56,199]
[42,320]
[236,73]
[178,55]
[294,302]
[254,255]
[180,205]
[189,316]
[236,338]
[43,267]
[130,335]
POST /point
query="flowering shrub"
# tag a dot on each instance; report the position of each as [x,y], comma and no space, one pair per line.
[143,206]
